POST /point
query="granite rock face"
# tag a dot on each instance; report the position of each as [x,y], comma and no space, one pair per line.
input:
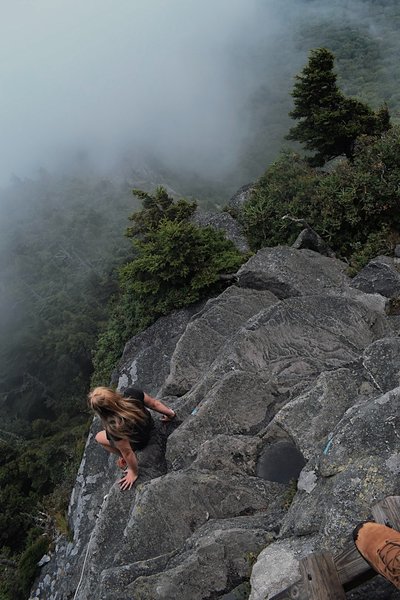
[381,275]
[292,359]
[308,238]
[223,221]
[286,272]
[146,357]
[208,332]
[237,201]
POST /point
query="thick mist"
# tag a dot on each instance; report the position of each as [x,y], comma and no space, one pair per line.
[106,80]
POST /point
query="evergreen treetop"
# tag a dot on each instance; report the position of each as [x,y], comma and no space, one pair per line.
[155,208]
[329,122]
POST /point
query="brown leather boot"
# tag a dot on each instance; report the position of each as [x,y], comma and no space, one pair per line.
[380,547]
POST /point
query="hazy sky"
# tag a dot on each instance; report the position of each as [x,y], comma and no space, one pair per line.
[106,75]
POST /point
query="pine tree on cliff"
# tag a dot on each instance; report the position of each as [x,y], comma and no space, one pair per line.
[330,122]
[177,262]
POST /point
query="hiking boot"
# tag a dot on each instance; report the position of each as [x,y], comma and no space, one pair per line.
[380,547]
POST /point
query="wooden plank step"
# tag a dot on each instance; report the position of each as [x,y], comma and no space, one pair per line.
[351,567]
[387,511]
[321,577]
[297,591]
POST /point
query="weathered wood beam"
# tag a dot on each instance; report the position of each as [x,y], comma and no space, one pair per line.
[352,568]
[321,578]
[297,591]
[387,512]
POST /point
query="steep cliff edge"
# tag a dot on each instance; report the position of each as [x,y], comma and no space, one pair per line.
[291,361]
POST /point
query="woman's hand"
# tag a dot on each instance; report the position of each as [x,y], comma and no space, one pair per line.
[128,480]
[157,405]
[167,418]
[130,458]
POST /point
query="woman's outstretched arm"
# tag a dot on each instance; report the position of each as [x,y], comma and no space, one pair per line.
[157,405]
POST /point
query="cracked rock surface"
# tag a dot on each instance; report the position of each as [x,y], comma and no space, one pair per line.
[291,359]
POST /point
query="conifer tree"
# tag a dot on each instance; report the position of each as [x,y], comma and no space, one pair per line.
[329,122]
[157,207]
[176,262]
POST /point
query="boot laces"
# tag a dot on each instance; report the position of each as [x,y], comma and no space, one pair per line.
[390,557]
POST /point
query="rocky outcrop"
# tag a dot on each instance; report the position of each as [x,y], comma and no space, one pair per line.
[287,390]
[380,276]
[286,272]
[146,357]
[309,239]
[223,221]
[235,204]
[207,333]
[359,465]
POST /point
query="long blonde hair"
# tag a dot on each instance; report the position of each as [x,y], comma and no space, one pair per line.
[118,414]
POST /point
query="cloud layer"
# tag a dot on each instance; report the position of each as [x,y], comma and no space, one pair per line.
[106,76]
[111,77]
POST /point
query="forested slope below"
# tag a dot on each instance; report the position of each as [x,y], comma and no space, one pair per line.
[60,242]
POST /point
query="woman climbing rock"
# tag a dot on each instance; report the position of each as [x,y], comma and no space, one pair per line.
[127,425]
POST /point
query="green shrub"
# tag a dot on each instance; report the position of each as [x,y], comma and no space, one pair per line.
[286,188]
[354,206]
[378,243]
[176,265]
[28,562]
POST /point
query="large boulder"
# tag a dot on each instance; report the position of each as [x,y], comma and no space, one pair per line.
[180,502]
[208,331]
[288,272]
[145,362]
[224,222]
[218,555]
[279,352]
[292,361]
[240,403]
[161,514]
[322,406]
[358,467]
[216,563]
[380,276]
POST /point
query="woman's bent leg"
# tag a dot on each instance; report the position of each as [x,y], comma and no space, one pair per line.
[101,438]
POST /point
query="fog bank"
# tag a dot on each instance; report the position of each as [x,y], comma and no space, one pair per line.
[109,79]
